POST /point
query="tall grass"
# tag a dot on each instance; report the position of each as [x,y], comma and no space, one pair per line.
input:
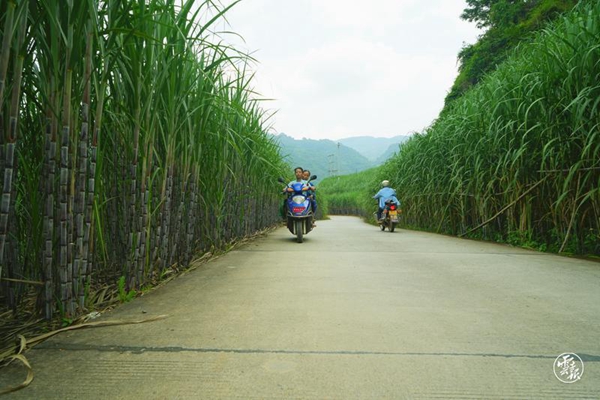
[346,194]
[131,143]
[517,158]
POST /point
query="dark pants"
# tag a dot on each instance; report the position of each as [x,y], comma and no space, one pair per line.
[379,212]
[313,205]
[283,209]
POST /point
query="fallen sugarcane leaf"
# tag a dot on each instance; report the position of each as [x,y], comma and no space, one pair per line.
[7,357]
[27,380]
[45,336]
[20,357]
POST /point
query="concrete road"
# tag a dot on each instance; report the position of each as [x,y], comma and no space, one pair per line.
[352,313]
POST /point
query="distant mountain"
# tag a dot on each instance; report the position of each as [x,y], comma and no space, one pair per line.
[323,157]
[374,148]
[391,150]
[345,156]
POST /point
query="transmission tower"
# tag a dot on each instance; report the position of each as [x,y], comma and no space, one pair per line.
[337,158]
[331,161]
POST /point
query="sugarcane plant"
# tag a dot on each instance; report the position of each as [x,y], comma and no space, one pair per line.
[132,143]
[517,158]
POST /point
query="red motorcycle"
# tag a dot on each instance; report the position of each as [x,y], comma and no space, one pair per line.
[389,216]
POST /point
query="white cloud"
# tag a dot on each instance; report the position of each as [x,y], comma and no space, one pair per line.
[358,14]
[346,68]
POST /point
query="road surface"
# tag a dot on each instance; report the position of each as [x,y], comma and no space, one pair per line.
[352,313]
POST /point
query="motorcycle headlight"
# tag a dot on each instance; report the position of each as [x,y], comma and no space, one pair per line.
[298,199]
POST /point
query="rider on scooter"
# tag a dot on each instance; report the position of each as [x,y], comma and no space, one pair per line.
[386,193]
[303,176]
[299,172]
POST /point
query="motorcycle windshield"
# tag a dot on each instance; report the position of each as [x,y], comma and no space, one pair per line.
[297,187]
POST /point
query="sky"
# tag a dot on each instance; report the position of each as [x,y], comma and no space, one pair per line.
[334,69]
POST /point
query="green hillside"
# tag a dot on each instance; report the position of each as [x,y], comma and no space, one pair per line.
[507,23]
[321,156]
[389,152]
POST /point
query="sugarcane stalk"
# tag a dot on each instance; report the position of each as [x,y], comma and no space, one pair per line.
[6,40]
[191,217]
[143,221]
[179,219]
[11,139]
[158,197]
[134,228]
[165,240]
[80,266]
[146,238]
[64,266]
[12,260]
[50,156]
[88,247]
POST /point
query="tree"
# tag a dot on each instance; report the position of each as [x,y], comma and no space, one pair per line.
[508,22]
[478,12]
[497,13]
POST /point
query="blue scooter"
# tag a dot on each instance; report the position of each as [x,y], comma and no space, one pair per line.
[298,209]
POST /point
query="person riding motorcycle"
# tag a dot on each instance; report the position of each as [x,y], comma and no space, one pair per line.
[299,173]
[386,193]
[297,208]
[302,176]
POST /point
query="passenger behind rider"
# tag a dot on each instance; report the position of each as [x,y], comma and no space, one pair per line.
[311,192]
[386,193]
[312,196]
[306,175]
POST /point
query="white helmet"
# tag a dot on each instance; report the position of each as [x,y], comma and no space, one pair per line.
[385,183]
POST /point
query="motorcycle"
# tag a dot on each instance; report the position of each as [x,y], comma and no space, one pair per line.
[298,210]
[390,216]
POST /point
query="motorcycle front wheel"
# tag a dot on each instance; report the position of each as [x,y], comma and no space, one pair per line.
[299,231]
